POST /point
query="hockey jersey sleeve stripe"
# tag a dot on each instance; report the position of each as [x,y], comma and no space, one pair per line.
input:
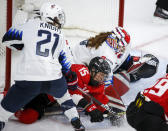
[64,62]
[12,34]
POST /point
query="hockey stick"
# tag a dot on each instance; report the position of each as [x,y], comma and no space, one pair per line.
[56,110]
[101,104]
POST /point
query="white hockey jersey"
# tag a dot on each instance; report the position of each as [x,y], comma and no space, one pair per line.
[43,48]
[83,54]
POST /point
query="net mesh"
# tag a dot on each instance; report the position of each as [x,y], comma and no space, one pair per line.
[2,48]
[84,19]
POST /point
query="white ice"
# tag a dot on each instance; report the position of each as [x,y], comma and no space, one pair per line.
[148,35]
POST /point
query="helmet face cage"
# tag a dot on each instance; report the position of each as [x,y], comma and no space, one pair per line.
[114,42]
[61,17]
[99,64]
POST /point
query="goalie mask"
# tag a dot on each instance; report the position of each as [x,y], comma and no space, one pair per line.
[99,69]
[53,14]
[118,41]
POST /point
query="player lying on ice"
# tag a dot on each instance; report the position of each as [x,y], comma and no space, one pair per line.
[39,45]
[90,80]
[115,47]
[149,111]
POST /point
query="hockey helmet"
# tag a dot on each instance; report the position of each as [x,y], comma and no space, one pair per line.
[52,13]
[99,64]
[118,40]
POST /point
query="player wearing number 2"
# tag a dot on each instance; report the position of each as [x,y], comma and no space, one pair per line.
[41,54]
[149,111]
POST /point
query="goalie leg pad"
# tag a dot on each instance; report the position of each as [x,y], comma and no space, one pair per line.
[121,82]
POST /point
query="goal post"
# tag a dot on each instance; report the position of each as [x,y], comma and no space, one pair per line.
[84,18]
[5,53]
[121,13]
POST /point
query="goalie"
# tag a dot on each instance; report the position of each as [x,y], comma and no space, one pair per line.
[115,47]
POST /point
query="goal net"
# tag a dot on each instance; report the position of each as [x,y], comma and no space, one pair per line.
[84,18]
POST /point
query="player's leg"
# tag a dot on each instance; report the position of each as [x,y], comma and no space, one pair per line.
[34,110]
[58,89]
[18,95]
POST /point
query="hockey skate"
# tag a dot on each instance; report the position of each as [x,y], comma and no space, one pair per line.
[77,125]
[2,124]
[161,13]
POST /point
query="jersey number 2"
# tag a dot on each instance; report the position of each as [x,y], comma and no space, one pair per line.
[47,40]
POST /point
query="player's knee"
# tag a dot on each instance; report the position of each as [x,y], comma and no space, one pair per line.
[64,98]
[66,101]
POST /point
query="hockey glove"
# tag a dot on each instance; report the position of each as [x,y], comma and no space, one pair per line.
[27,116]
[145,67]
[134,77]
[150,66]
[94,113]
[72,80]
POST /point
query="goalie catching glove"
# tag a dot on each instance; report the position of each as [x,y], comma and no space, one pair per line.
[145,67]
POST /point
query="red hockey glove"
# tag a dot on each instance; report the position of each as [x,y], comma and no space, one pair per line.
[72,80]
[27,116]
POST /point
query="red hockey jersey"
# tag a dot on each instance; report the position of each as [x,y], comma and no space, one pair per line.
[83,82]
[159,93]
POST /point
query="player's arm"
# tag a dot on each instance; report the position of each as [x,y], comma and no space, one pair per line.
[13,38]
[65,59]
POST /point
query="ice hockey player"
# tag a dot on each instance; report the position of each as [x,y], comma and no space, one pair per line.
[149,111]
[115,47]
[90,80]
[40,45]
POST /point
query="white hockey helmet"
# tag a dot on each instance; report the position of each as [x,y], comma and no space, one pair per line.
[118,40]
[52,13]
